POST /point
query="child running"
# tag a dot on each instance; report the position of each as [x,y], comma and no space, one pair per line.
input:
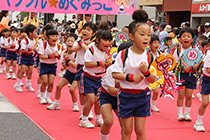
[27,47]
[205,91]
[23,35]
[154,46]
[11,57]
[131,69]
[40,42]
[48,52]
[108,100]
[95,64]
[189,84]
[67,59]
[88,33]
[5,34]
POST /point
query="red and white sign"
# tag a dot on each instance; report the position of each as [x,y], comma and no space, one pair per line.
[200,8]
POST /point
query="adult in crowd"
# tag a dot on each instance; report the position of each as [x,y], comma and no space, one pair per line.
[81,23]
[74,19]
[162,34]
[207,29]
[155,29]
[31,20]
[4,21]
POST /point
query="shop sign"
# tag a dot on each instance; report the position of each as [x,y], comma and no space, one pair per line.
[200,8]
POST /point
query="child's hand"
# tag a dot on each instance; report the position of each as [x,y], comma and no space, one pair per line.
[34,48]
[55,54]
[13,44]
[208,70]
[2,44]
[143,67]
[108,62]
[88,42]
[137,78]
[65,55]
[73,60]
[74,65]
[117,83]
[186,69]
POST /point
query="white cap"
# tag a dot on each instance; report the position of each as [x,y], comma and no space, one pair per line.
[168,28]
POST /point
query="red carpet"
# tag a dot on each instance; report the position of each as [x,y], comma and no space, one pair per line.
[63,124]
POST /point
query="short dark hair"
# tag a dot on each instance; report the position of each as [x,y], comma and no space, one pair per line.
[188,30]
[13,29]
[91,25]
[166,39]
[203,37]
[154,38]
[72,35]
[103,34]
[30,29]
[205,42]
[51,32]
[47,27]
[22,30]
[4,30]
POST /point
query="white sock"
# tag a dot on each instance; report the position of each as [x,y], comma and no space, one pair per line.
[1,66]
[75,103]
[179,110]
[200,118]
[104,137]
[56,101]
[187,109]
[48,94]
[153,102]
[82,106]
[18,81]
[29,81]
[26,81]
[43,94]
[84,118]
[97,117]
[39,86]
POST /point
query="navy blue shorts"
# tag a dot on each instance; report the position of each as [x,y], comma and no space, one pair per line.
[69,76]
[27,60]
[79,73]
[137,105]
[3,52]
[89,84]
[46,69]
[105,98]
[190,80]
[37,62]
[18,59]
[11,55]
[205,89]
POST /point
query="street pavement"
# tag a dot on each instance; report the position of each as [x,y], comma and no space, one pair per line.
[14,125]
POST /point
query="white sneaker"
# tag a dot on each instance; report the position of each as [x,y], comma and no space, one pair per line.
[199,127]
[86,124]
[90,116]
[75,108]
[99,122]
[48,100]
[24,75]
[18,88]
[199,96]
[38,94]
[193,96]
[8,76]
[1,71]
[81,115]
[154,108]
[29,87]
[42,100]
[69,85]
[54,106]
[21,83]
[10,70]
[13,76]
[187,116]
[180,117]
